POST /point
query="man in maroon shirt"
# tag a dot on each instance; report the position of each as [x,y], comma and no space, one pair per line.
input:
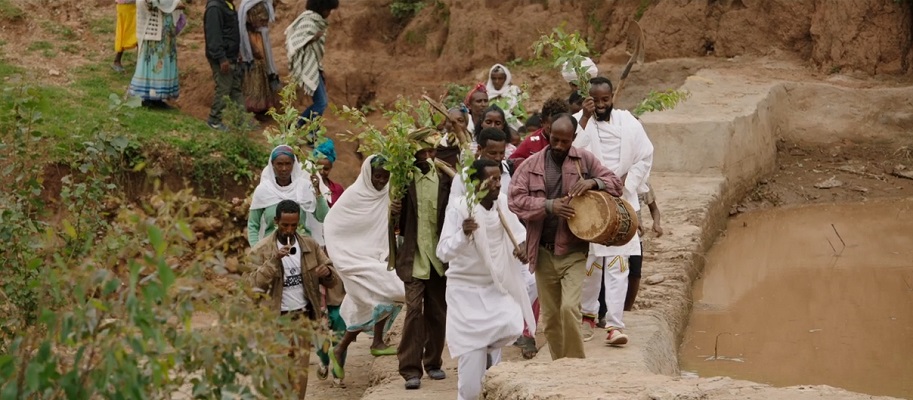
[538,140]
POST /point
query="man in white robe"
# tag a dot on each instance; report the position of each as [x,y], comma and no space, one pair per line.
[486,297]
[492,146]
[620,142]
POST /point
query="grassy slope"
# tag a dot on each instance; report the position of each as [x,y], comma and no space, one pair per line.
[72,113]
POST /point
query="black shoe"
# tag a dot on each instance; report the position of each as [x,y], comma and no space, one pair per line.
[157,105]
[413,383]
[436,374]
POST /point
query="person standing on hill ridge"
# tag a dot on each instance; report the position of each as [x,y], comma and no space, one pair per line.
[156,77]
[305,45]
[223,41]
[125,31]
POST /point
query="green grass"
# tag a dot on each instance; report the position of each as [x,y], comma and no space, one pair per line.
[70,48]
[103,25]
[71,114]
[40,45]
[9,11]
[64,32]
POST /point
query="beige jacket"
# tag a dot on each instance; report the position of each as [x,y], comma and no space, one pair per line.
[267,274]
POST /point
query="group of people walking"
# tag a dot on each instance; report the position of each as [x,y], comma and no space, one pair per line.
[238,50]
[473,278]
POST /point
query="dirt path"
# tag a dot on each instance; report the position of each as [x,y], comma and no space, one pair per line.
[358,371]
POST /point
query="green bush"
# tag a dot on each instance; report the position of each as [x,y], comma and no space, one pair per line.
[103,304]
[456,93]
[405,9]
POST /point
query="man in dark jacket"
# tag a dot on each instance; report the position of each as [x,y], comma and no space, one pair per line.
[417,265]
[223,39]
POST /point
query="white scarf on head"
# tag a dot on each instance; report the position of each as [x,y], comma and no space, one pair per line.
[356,232]
[269,193]
[507,90]
[247,54]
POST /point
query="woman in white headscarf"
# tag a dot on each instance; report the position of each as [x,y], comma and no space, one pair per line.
[283,179]
[505,94]
[156,77]
[356,232]
[261,78]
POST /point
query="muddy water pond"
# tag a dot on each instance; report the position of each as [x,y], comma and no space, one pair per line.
[810,295]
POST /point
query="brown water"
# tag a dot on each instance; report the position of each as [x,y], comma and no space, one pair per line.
[792,305]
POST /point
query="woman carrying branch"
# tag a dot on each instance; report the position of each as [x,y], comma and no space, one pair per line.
[283,179]
[357,242]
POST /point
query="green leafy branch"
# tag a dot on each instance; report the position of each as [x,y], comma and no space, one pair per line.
[659,101]
[566,48]
[287,132]
[516,115]
[397,142]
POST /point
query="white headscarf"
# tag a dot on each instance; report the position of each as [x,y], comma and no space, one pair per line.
[505,88]
[568,74]
[356,227]
[247,54]
[269,193]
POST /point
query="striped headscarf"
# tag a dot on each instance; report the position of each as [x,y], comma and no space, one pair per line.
[306,59]
[282,150]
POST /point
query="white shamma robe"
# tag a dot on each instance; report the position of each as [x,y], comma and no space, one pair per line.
[487,301]
[357,242]
[634,158]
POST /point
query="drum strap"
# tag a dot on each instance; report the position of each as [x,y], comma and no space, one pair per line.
[579,171]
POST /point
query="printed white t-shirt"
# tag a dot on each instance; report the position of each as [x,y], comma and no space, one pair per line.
[293,298]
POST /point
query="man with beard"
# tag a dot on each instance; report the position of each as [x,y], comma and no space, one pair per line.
[619,142]
[422,272]
[540,194]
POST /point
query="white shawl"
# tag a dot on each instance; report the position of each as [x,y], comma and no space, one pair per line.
[150,20]
[455,248]
[269,193]
[507,90]
[247,54]
[636,161]
[358,243]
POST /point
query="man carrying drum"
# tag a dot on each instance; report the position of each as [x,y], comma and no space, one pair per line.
[540,194]
[619,142]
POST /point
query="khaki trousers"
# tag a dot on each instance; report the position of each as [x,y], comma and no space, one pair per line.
[559,280]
